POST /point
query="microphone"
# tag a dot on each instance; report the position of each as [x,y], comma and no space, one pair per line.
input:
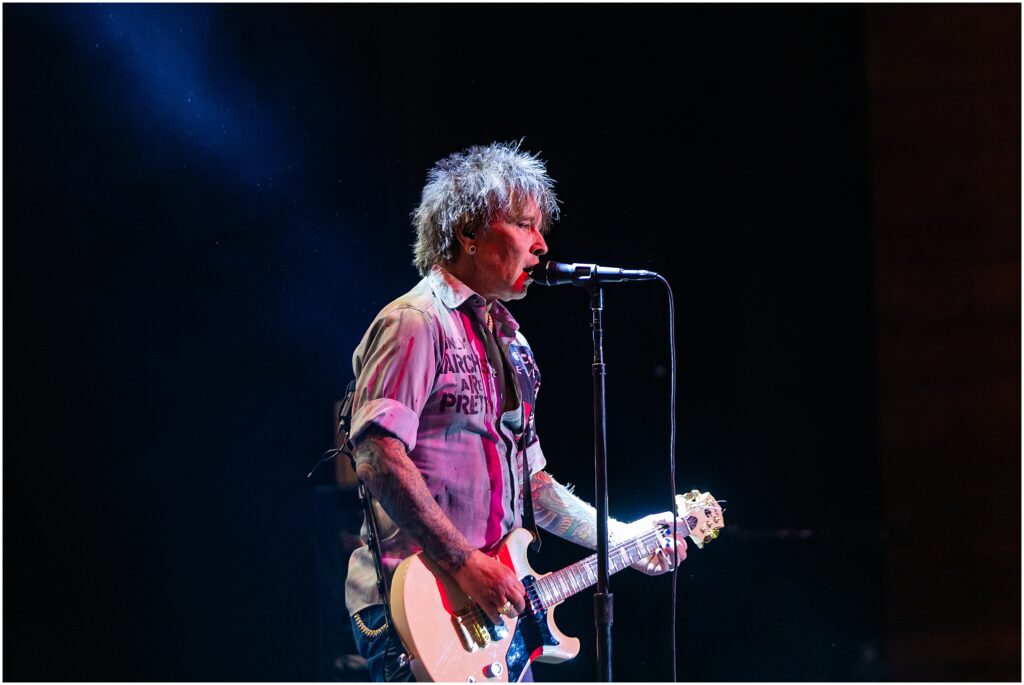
[556,273]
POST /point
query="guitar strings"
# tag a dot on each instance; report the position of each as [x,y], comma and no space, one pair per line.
[589,564]
[564,575]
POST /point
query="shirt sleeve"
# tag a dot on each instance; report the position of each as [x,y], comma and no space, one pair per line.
[395,368]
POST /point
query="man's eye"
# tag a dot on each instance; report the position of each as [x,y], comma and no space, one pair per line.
[525,224]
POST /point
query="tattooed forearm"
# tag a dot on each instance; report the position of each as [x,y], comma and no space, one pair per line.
[558,511]
[384,467]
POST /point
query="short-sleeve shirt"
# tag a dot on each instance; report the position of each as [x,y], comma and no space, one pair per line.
[423,375]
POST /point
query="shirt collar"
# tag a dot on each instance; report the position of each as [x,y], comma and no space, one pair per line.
[453,293]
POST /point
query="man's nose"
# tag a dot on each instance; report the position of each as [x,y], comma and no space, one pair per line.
[539,246]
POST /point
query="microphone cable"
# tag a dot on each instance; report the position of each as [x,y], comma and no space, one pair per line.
[672,465]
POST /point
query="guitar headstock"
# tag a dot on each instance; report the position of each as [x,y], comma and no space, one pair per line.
[703,516]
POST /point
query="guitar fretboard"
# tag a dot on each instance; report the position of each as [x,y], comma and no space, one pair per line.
[557,586]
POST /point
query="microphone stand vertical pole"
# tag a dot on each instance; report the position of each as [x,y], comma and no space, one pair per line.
[603,595]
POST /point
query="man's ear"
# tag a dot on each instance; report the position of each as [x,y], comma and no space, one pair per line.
[466,237]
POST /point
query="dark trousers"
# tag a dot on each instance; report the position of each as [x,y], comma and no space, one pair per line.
[382,652]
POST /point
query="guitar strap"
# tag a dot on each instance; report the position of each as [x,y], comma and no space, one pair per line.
[528,521]
[528,377]
[524,373]
[345,446]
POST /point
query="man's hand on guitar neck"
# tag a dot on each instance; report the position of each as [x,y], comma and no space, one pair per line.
[561,512]
[490,584]
[661,561]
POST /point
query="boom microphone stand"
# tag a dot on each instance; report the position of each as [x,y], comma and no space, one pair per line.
[590,276]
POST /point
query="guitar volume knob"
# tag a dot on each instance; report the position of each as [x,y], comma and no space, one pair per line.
[494,670]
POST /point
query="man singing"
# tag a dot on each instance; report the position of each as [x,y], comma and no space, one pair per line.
[446,387]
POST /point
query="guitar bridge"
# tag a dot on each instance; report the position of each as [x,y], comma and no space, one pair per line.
[476,631]
[468,632]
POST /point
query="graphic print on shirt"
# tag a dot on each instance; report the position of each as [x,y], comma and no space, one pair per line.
[489,443]
[466,366]
[528,376]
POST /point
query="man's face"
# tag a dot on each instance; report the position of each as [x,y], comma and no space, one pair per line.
[512,245]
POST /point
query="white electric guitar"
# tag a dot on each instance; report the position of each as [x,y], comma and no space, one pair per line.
[449,638]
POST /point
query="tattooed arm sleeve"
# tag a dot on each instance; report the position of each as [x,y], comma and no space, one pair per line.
[385,468]
[562,513]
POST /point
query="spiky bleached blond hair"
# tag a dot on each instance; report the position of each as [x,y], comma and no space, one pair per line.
[469,189]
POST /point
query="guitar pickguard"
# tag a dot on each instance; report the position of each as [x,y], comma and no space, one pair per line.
[532,633]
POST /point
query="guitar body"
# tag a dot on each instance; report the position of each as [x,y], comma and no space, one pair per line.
[450,639]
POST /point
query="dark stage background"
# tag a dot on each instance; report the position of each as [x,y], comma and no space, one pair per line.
[205,205]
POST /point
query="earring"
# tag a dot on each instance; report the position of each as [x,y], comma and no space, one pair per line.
[471,249]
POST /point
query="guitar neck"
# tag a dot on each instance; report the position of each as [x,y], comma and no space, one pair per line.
[559,585]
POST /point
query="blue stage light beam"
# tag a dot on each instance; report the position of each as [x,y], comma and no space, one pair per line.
[179,79]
